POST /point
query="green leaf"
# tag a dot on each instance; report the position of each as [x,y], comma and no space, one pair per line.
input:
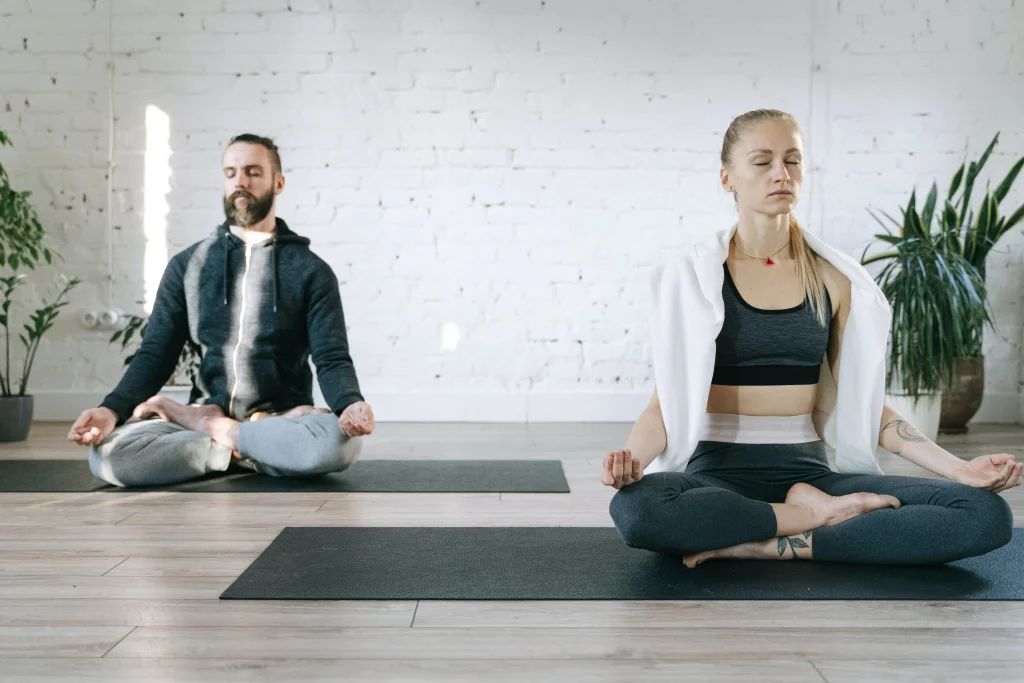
[929,208]
[955,184]
[973,170]
[1014,218]
[1004,187]
[879,257]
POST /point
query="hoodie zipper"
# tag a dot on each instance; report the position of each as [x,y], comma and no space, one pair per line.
[241,321]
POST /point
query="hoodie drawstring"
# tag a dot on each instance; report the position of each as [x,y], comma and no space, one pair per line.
[273,247]
[227,257]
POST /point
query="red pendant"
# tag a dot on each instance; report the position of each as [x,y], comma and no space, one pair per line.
[768,261]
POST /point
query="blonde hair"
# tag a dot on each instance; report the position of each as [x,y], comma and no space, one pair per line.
[806,262]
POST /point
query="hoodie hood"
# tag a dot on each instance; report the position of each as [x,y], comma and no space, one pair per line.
[282,235]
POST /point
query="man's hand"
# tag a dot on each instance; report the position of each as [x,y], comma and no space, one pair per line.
[993,472]
[357,419]
[620,468]
[93,426]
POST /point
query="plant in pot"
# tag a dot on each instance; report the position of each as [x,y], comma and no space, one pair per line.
[179,385]
[972,237]
[937,297]
[21,246]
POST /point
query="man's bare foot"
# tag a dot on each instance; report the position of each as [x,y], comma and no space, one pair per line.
[832,510]
[175,412]
[297,411]
[206,419]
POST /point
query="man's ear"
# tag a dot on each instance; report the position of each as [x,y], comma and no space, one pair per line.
[279,184]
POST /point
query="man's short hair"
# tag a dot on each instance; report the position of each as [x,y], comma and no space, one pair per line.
[266,143]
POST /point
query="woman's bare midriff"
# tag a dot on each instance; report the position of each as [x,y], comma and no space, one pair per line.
[786,400]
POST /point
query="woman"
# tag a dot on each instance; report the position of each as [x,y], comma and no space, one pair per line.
[750,330]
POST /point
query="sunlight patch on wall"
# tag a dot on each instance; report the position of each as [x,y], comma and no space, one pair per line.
[157,185]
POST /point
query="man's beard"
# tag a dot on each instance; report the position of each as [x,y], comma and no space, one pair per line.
[252,213]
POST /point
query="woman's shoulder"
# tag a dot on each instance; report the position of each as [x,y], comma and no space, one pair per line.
[837,284]
[830,271]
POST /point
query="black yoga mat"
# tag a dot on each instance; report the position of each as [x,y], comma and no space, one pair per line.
[384,476]
[522,563]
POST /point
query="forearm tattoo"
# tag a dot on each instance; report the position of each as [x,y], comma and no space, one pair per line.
[793,542]
[905,431]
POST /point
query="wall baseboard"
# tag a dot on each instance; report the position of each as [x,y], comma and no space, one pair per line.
[436,407]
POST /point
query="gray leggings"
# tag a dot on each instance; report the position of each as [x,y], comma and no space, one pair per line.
[722,500]
[155,452]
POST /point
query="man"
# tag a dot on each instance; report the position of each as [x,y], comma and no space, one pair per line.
[259,304]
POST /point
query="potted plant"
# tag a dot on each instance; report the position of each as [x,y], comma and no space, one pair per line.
[180,384]
[972,237]
[21,246]
[937,298]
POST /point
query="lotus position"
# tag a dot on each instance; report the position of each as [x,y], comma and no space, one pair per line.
[768,346]
[258,304]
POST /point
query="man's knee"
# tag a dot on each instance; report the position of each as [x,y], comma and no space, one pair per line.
[155,452]
[331,449]
[101,463]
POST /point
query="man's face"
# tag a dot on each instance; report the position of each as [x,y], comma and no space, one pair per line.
[250,184]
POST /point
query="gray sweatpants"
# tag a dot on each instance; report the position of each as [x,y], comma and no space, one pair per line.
[154,451]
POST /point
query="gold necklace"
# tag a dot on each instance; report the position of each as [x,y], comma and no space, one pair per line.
[767,259]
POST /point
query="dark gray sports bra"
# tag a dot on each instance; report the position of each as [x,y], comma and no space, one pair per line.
[764,347]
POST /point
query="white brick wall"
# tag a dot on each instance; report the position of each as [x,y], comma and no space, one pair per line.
[510,167]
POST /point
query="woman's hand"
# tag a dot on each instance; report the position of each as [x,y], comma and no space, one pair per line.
[993,472]
[620,468]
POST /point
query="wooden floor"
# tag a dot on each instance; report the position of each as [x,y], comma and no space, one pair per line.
[123,587]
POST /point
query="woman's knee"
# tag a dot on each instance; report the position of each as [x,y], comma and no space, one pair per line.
[634,511]
[991,520]
[984,522]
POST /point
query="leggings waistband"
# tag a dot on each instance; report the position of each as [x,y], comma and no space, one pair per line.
[759,429]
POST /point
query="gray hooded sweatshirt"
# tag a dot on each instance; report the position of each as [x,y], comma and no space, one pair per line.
[257,313]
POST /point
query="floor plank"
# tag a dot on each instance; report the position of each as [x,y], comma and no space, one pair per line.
[120,611]
[560,643]
[58,566]
[719,614]
[62,641]
[113,587]
[157,670]
[901,671]
[182,566]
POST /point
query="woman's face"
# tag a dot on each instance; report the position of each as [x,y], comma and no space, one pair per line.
[767,168]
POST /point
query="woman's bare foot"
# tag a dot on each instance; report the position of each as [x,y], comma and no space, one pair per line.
[755,550]
[832,510]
